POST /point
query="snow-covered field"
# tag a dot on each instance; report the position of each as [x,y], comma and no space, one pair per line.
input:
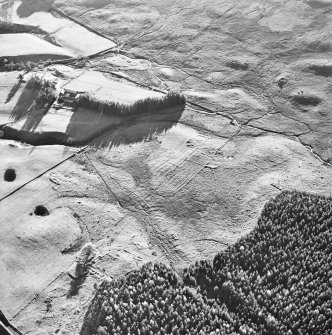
[73,37]
[98,85]
[12,45]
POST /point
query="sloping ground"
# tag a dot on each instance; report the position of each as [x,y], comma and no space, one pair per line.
[173,196]
[280,52]
[74,38]
[16,45]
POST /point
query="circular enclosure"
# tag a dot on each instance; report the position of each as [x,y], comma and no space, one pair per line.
[9,175]
[41,210]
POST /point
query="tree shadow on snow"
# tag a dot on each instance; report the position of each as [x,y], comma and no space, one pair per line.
[27,109]
[13,91]
[138,129]
[33,120]
[86,127]
[24,103]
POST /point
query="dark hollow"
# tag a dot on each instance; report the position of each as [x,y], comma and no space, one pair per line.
[237,66]
[322,70]
[9,175]
[41,210]
[282,82]
[306,100]
[316,4]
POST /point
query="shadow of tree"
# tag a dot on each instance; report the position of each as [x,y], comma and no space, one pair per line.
[26,108]
[24,103]
[138,129]
[87,124]
[86,127]
[82,268]
[13,91]
[28,7]
[33,119]
[75,284]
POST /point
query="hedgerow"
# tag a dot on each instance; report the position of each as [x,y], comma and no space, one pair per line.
[147,105]
[15,65]
[276,280]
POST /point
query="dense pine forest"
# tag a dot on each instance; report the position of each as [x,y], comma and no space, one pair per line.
[276,280]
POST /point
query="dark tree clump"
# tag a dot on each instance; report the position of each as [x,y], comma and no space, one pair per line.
[41,210]
[9,175]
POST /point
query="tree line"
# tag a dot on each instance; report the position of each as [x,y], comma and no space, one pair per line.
[148,105]
[47,89]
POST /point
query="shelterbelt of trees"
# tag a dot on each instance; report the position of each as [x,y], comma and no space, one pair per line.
[46,88]
[148,105]
[277,280]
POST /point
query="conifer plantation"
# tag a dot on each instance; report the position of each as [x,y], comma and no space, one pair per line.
[276,280]
[148,105]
